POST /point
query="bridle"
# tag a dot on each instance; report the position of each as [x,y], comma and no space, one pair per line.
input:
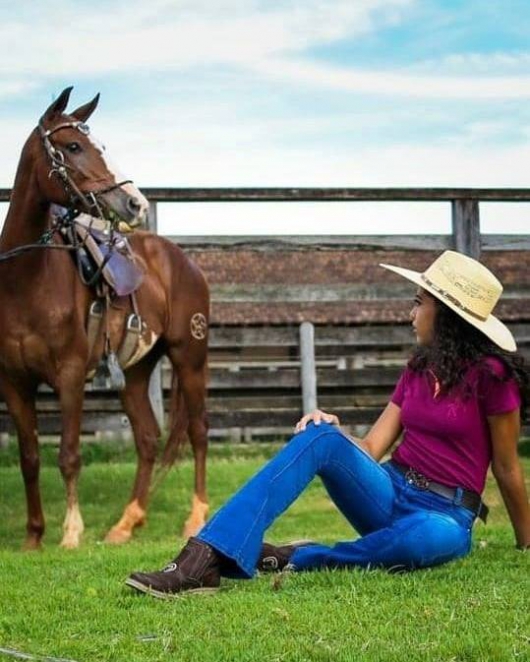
[61,169]
[89,199]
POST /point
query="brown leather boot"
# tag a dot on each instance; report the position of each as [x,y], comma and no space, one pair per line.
[194,570]
[275,558]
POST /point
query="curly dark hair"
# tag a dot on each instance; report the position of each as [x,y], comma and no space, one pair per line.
[458,345]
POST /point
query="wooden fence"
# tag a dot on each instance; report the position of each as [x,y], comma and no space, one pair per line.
[263,378]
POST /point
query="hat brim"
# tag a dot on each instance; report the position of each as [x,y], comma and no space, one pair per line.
[492,327]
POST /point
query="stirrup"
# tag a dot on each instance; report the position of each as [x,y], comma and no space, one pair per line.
[109,373]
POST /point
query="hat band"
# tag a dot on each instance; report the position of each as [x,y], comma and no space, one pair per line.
[452,299]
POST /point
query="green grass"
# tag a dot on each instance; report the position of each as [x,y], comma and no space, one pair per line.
[73,605]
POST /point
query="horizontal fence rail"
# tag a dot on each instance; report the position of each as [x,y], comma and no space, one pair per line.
[466,235]
[305,194]
[433,242]
[465,213]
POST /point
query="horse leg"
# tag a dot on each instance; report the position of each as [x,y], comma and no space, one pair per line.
[137,406]
[21,406]
[193,385]
[70,389]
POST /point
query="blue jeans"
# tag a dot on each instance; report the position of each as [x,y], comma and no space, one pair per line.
[400,525]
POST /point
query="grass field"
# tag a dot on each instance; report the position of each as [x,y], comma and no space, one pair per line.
[74,605]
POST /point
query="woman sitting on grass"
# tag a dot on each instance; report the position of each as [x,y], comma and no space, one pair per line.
[458,405]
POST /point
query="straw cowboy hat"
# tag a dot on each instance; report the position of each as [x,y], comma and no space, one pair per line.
[468,288]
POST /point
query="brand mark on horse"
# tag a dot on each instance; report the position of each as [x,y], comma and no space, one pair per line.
[198,326]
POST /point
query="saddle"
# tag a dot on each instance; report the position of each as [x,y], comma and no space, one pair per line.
[104,254]
[106,263]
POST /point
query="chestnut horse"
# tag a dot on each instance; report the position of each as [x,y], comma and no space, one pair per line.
[43,314]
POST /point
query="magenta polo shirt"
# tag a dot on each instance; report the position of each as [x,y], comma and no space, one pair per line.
[446,437]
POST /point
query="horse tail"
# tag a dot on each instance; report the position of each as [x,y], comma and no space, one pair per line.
[177,433]
[177,424]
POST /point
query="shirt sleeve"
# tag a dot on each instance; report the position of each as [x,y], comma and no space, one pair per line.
[499,395]
[399,392]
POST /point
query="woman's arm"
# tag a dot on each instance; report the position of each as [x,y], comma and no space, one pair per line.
[379,439]
[508,472]
[384,432]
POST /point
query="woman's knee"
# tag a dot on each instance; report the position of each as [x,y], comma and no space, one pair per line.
[434,538]
[324,437]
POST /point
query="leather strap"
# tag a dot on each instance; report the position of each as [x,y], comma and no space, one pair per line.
[470,500]
[129,345]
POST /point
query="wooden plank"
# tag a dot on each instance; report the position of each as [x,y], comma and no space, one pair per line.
[51,423]
[152,217]
[238,336]
[268,194]
[387,335]
[312,194]
[466,226]
[290,379]
[308,373]
[316,292]
[505,242]
[155,395]
[155,381]
[284,418]
[351,242]
[314,242]
[270,403]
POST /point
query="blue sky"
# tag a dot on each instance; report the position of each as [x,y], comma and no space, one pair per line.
[285,93]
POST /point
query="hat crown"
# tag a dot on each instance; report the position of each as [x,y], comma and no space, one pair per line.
[465,282]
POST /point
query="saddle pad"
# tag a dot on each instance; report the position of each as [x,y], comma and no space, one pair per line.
[120,270]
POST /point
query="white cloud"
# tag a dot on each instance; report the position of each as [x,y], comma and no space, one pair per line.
[477,63]
[175,35]
[271,40]
[15,88]
[396,83]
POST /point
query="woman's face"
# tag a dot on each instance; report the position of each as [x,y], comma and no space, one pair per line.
[422,316]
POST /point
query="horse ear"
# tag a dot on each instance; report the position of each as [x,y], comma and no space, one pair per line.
[83,112]
[59,105]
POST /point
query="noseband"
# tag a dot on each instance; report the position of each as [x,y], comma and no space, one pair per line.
[61,169]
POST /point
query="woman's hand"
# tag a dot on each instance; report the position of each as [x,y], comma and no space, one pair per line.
[317,417]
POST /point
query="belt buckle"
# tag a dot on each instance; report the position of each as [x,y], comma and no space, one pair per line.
[413,477]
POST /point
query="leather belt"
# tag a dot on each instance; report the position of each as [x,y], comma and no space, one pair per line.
[468,499]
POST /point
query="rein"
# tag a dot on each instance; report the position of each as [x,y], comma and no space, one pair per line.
[64,222]
[29,247]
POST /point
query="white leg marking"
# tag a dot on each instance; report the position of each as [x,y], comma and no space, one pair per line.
[73,527]
[197,518]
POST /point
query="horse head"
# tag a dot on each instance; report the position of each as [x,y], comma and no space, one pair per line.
[72,168]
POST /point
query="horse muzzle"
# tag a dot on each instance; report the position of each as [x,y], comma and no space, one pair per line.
[127,203]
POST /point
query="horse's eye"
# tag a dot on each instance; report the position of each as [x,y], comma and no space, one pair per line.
[73,147]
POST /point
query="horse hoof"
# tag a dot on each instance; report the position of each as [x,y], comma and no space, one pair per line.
[118,536]
[70,542]
[31,545]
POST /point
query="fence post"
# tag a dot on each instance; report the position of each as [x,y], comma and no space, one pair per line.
[152,217]
[156,395]
[308,371]
[466,227]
